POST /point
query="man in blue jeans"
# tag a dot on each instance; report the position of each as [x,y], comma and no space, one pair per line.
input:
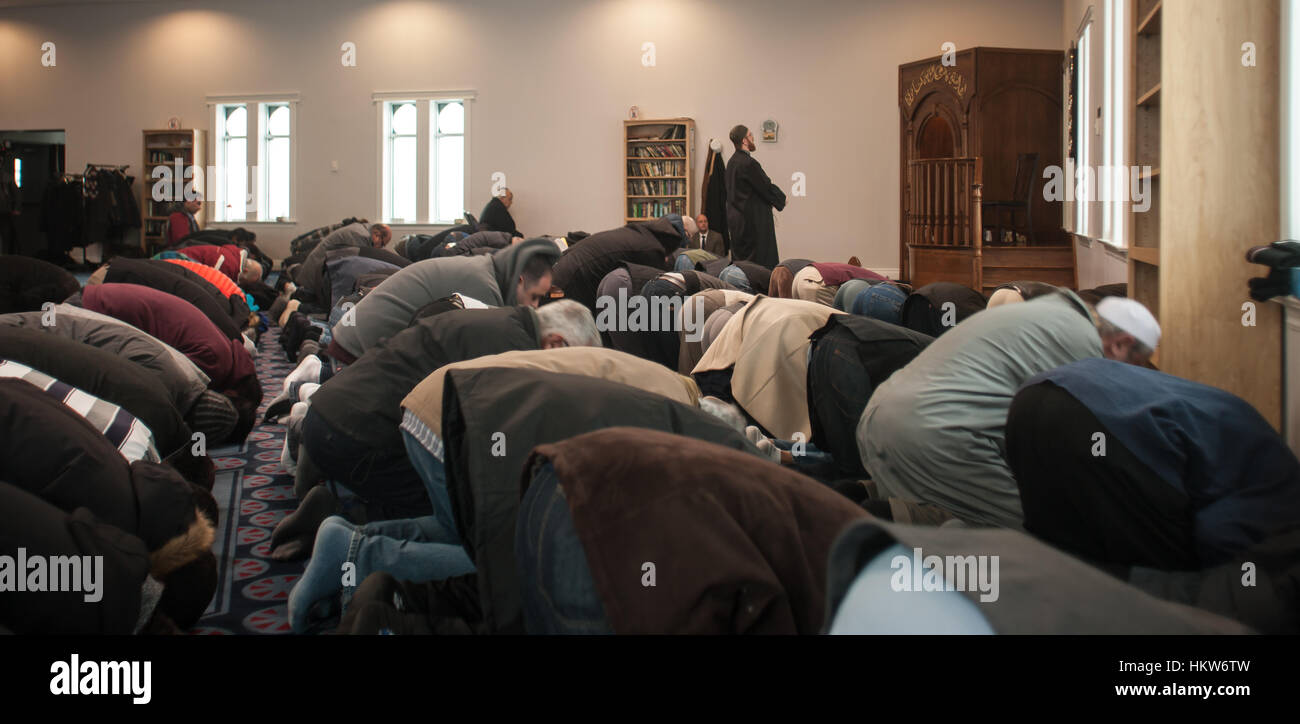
[561,596]
[413,549]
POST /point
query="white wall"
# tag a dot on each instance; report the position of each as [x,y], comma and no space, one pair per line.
[554,81]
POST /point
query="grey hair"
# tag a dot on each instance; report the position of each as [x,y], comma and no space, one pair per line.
[725,411]
[688,223]
[571,321]
[1106,329]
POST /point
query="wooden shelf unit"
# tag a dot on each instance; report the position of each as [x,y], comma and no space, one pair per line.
[658,185]
[162,148]
[1144,77]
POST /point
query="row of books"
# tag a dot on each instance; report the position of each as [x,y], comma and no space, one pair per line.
[645,133]
[163,157]
[656,188]
[659,150]
[655,209]
[644,169]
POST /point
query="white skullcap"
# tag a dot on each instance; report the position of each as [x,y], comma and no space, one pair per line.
[1132,317]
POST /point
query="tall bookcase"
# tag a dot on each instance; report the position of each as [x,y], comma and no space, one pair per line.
[1144,251]
[659,157]
[162,148]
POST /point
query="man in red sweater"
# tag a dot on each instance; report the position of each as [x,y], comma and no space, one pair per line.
[183,221]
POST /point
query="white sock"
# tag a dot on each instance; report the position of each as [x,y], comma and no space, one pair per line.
[78,254]
[307,371]
[94,253]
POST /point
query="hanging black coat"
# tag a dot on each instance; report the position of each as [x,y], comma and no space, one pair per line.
[751,196]
[714,193]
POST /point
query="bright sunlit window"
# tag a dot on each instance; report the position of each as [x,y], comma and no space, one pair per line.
[253,142]
[423,167]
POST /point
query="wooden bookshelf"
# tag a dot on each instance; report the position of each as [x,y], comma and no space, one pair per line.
[659,161]
[1145,77]
[162,148]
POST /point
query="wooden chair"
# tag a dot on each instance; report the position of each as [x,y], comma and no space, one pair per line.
[1022,200]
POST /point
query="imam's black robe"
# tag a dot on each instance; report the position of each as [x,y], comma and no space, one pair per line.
[751,196]
[496,217]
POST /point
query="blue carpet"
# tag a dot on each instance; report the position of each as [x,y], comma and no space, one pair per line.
[254,494]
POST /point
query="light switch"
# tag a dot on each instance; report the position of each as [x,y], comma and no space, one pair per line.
[334,166]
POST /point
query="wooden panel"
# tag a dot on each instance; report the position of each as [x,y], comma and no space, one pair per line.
[1220,170]
[943,265]
[1028,256]
[1059,277]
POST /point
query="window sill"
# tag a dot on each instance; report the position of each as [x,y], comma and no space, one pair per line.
[283,222]
[1110,247]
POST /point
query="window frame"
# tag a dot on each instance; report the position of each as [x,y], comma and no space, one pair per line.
[425,161]
[1083,130]
[256,134]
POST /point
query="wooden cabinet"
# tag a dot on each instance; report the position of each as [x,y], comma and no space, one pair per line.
[991,104]
[659,156]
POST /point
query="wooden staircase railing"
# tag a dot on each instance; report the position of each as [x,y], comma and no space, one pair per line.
[944,202]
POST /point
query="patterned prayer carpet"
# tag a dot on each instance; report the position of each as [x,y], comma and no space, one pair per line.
[254,494]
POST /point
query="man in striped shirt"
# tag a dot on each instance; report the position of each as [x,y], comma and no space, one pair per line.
[132,438]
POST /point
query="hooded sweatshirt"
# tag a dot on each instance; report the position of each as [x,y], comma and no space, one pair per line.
[392,306]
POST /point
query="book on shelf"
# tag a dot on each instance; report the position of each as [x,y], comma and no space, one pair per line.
[660,150]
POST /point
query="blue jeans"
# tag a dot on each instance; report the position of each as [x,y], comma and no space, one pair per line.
[412,549]
[735,276]
[559,595]
[882,301]
[433,474]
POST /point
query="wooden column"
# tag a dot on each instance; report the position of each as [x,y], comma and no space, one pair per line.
[1220,172]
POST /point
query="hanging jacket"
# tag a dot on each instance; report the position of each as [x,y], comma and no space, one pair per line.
[713,192]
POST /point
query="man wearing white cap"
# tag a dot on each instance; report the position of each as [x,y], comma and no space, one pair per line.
[934,432]
[1129,332]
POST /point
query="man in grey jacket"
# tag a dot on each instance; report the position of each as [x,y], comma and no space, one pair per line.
[520,274]
[935,431]
[311,275]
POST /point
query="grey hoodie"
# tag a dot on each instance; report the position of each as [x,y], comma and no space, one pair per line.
[392,305]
